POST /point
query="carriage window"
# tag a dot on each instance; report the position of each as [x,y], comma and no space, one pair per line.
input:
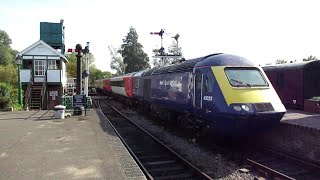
[117,83]
[245,77]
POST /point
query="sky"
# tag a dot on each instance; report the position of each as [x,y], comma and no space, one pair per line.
[261,31]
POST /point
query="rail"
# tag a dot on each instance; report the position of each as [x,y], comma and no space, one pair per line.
[152,160]
[279,165]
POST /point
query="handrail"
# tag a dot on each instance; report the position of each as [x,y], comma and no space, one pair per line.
[27,93]
[43,92]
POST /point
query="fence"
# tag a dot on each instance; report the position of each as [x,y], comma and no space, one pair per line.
[67,101]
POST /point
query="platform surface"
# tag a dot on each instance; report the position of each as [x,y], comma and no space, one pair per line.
[302,118]
[33,145]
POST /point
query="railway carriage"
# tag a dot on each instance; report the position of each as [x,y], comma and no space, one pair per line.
[122,85]
[295,82]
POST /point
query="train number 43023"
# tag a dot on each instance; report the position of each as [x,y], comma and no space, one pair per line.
[207,98]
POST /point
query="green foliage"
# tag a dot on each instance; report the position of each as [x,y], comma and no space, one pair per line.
[7,55]
[281,61]
[94,73]
[310,58]
[4,38]
[116,61]
[9,74]
[72,65]
[97,74]
[133,55]
[8,97]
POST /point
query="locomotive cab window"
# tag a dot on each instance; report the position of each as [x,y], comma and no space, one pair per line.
[208,82]
[245,77]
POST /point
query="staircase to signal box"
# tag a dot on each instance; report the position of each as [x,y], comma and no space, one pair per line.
[36,96]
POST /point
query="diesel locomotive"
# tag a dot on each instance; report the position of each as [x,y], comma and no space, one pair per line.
[220,93]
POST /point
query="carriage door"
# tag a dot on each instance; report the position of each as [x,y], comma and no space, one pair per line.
[198,81]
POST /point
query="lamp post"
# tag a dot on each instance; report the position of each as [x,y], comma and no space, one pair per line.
[19,62]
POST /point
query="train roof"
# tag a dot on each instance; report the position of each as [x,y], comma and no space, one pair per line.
[300,65]
[121,76]
[218,59]
[139,73]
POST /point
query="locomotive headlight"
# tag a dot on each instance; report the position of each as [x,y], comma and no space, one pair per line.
[237,108]
[245,107]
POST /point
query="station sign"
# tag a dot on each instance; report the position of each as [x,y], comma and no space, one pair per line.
[78,100]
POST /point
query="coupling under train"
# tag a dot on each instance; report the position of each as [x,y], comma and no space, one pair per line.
[220,93]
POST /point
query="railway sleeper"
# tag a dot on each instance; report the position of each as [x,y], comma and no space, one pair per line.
[178,176]
[169,171]
[159,163]
[153,157]
[161,170]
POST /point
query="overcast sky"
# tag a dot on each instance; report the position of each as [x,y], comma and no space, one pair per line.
[261,31]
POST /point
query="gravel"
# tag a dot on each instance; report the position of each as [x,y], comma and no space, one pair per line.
[212,163]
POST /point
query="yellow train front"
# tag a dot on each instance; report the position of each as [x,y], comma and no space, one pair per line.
[234,96]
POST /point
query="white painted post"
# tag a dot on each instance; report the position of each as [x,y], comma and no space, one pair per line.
[86,79]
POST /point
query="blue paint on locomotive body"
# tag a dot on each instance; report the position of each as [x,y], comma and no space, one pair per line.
[173,88]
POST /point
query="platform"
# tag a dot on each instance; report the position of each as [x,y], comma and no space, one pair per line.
[302,118]
[33,145]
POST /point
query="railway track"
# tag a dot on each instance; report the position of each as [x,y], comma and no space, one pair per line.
[276,165]
[156,160]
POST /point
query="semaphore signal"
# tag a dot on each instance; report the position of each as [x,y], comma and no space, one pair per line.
[161,51]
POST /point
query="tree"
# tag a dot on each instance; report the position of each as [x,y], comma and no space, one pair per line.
[9,74]
[97,74]
[132,53]
[281,61]
[310,58]
[7,55]
[72,65]
[94,73]
[4,38]
[116,61]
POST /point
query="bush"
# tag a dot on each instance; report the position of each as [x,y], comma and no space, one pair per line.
[9,97]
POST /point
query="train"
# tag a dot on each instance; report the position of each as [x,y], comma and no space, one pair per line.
[295,82]
[221,94]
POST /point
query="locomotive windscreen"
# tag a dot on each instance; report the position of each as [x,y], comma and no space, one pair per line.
[246,77]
